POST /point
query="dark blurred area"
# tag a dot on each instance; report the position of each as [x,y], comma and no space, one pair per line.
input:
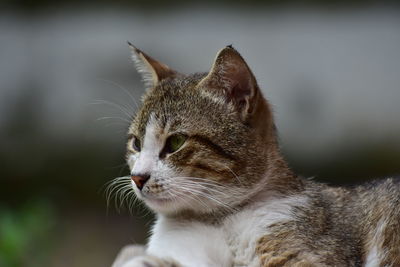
[158,4]
[68,90]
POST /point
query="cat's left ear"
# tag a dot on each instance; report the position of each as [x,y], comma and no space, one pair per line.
[232,78]
[152,71]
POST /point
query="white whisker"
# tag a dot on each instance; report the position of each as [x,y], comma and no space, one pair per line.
[113,118]
[199,193]
[115,187]
[204,187]
[122,88]
[121,108]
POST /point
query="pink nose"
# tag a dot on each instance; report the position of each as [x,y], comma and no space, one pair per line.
[140,180]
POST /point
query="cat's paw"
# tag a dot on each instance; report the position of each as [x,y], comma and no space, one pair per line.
[149,261]
[128,253]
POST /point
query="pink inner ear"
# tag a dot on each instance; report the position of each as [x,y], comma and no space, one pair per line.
[232,77]
[238,95]
[240,84]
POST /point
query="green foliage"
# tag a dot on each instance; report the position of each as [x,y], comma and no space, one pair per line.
[25,234]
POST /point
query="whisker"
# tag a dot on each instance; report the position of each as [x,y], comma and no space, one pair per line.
[201,179]
[121,108]
[119,195]
[115,181]
[112,118]
[234,174]
[114,187]
[132,200]
[205,182]
[189,195]
[124,194]
[207,196]
[122,88]
[203,187]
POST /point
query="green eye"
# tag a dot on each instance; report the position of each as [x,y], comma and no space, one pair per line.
[174,142]
[136,144]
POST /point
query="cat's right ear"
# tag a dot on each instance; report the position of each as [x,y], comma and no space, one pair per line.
[151,70]
[231,77]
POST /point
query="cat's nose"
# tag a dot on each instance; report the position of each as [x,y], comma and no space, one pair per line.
[140,179]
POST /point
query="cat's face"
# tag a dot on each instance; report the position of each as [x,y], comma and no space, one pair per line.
[197,142]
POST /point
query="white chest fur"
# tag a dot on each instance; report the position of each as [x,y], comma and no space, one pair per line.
[191,244]
[233,243]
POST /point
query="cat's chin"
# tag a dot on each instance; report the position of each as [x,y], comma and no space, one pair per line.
[162,204]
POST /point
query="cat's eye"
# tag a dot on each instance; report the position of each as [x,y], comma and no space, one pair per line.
[136,144]
[174,142]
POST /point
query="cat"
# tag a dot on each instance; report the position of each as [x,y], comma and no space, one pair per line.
[204,156]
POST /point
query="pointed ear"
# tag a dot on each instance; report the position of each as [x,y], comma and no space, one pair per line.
[231,77]
[151,70]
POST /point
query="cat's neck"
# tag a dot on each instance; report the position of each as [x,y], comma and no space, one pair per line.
[279,178]
[279,182]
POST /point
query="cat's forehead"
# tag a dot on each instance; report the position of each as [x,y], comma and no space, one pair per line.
[175,102]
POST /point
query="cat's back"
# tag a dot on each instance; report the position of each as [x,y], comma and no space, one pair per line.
[368,202]
[382,192]
[379,207]
[371,213]
[352,226]
[376,204]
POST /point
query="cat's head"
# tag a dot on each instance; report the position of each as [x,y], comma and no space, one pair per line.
[200,142]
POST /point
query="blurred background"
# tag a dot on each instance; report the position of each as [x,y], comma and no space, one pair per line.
[68,89]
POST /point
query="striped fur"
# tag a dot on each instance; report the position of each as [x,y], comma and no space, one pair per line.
[228,197]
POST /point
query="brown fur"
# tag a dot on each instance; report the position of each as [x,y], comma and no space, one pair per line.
[232,140]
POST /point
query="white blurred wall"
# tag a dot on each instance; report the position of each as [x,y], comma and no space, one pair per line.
[332,76]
